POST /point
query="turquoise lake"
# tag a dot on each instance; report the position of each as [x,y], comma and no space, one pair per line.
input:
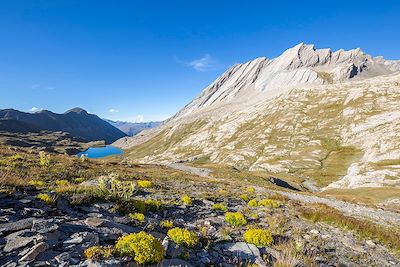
[101,152]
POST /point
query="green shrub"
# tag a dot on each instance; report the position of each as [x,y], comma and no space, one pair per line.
[111,187]
[16,157]
[183,237]
[270,203]
[153,205]
[98,252]
[187,200]
[62,182]
[251,189]
[244,197]
[235,219]
[137,217]
[145,184]
[45,198]
[37,183]
[258,237]
[253,203]
[167,224]
[141,247]
[220,206]
[79,180]
[44,159]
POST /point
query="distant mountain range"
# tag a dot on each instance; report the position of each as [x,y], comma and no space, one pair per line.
[77,122]
[133,128]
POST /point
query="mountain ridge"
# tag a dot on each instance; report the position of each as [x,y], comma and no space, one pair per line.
[78,122]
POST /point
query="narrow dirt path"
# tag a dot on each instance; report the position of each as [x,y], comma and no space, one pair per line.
[358,211]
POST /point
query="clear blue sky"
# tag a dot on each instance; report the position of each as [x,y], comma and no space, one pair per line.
[147,59]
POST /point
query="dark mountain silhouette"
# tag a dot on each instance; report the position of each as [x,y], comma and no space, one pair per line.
[76,121]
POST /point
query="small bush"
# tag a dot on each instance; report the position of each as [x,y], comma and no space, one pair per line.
[145,184]
[153,205]
[258,237]
[45,198]
[137,217]
[44,159]
[253,203]
[37,183]
[111,187]
[235,219]
[98,253]
[183,237]
[187,200]
[244,197]
[141,247]
[16,157]
[79,180]
[167,224]
[251,189]
[62,183]
[270,203]
[222,191]
[220,206]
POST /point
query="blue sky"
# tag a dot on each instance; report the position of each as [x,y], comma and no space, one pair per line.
[144,60]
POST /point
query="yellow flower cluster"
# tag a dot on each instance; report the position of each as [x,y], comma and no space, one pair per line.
[45,198]
[141,247]
[183,237]
[235,219]
[258,237]
[145,184]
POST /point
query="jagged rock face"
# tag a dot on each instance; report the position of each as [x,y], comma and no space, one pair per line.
[340,128]
[298,66]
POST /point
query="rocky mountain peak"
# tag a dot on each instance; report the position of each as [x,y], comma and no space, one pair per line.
[300,66]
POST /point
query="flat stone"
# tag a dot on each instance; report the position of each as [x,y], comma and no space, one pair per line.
[241,250]
[16,226]
[314,231]
[175,263]
[44,226]
[35,251]
[94,221]
[370,243]
[20,239]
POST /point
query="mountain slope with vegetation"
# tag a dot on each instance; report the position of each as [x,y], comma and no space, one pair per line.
[339,127]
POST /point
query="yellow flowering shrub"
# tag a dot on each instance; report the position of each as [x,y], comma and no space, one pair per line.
[187,200]
[45,198]
[98,252]
[251,189]
[219,206]
[37,183]
[270,203]
[137,217]
[258,237]
[235,219]
[145,184]
[183,237]
[244,197]
[141,247]
[167,224]
[62,182]
[253,203]
[79,180]
[153,205]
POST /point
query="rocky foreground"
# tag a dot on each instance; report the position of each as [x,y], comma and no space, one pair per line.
[33,233]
